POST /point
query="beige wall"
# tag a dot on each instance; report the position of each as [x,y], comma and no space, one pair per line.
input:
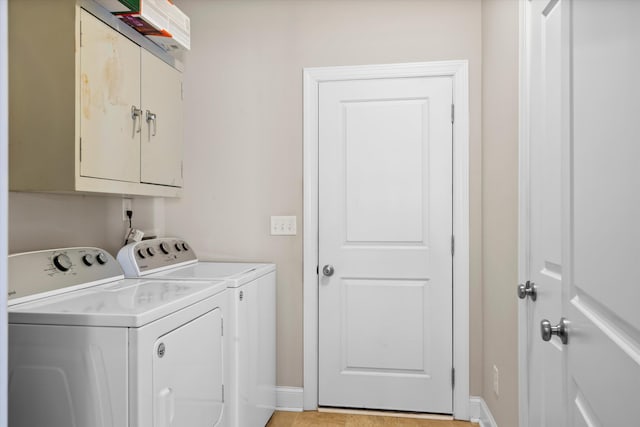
[44,221]
[243,117]
[500,205]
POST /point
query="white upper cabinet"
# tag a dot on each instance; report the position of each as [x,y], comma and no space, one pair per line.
[105,117]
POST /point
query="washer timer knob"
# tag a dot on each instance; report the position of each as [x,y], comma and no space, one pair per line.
[151,251]
[185,247]
[164,247]
[88,260]
[62,262]
[102,258]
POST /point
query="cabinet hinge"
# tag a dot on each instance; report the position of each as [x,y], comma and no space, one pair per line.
[453,245]
[453,377]
[453,113]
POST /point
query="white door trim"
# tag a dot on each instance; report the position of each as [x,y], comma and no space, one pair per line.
[523,209]
[4,209]
[312,77]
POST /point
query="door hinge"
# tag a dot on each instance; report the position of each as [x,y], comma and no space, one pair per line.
[453,113]
[453,377]
[453,245]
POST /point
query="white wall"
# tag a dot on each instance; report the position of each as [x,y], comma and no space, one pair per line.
[243,119]
[4,125]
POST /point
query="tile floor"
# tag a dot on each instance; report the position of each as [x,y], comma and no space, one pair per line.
[325,419]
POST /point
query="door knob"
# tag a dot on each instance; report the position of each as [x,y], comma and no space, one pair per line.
[527,290]
[328,270]
[561,330]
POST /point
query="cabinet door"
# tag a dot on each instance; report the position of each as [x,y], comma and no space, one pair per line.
[109,88]
[161,146]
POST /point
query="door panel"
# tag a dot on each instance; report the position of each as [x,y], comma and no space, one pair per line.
[545,263]
[110,86]
[188,374]
[603,356]
[161,144]
[385,200]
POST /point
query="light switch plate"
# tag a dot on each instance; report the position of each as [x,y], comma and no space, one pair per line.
[283,226]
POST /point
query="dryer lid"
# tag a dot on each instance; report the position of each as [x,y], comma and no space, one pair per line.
[123,303]
[236,273]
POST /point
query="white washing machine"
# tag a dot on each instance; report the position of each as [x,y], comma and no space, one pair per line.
[88,347]
[252,318]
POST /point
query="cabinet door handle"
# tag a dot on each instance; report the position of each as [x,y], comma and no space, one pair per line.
[136,113]
[151,117]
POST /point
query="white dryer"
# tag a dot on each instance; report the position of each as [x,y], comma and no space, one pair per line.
[252,318]
[90,348]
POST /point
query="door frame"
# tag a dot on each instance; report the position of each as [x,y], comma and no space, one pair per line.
[4,209]
[312,77]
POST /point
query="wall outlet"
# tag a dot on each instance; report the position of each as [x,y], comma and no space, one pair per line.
[496,381]
[283,226]
[127,205]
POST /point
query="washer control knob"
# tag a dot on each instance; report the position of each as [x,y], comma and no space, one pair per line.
[151,251]
[164,247]
[142,254]
[88,260]
[178,247]
[184,246]
[62,262]
[102,258]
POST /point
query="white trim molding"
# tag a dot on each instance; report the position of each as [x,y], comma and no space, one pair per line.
[312,77]
[289,399]
[4,206]
[480,412]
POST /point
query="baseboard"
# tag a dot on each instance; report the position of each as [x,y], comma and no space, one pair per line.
[480,413]
[289,399]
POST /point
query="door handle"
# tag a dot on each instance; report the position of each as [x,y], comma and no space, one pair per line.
[136,114]
[151,117]
[328,270]
[528,289]
[561,330]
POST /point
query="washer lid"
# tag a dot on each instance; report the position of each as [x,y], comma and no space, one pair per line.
[236,273]
[124,303]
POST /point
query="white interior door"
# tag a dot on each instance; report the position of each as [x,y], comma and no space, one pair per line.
[544,261]
[385,228]
[603,216]
[584,93]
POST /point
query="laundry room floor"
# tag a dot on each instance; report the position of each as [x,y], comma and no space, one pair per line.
[329,419]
